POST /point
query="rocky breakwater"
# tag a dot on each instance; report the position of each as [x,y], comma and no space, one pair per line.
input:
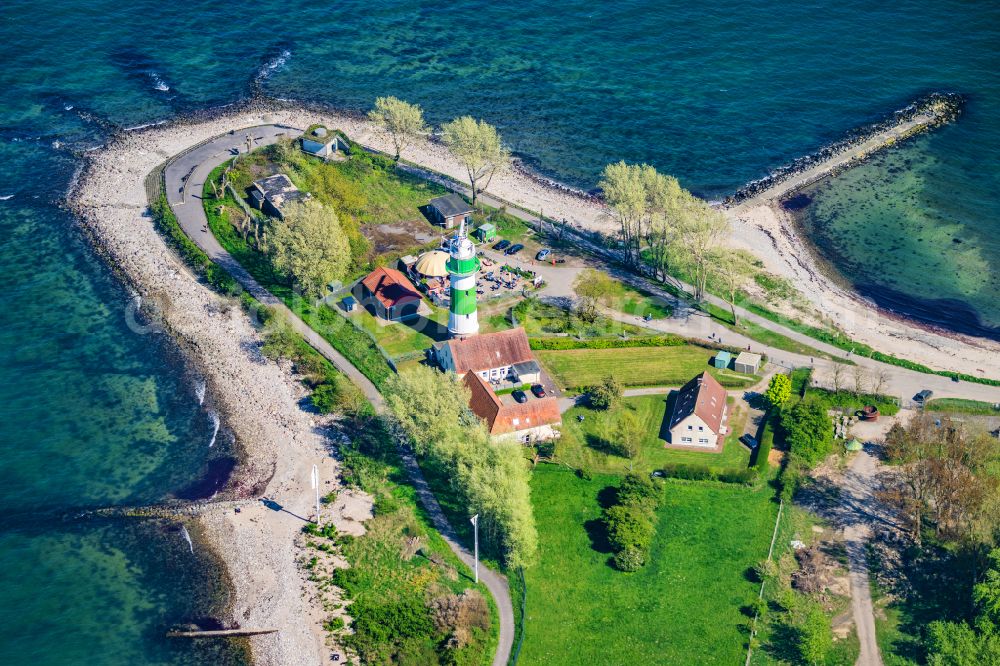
[257,400]
[923,114]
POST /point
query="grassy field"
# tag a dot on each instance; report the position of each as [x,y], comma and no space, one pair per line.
[637,366]
[405,337]
[631,301]
[582,444]
[681,608]
[540,318]
[963,406]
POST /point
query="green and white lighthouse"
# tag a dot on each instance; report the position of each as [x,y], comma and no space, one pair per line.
[462,268]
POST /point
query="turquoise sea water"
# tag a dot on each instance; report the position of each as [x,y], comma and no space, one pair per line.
[95,414]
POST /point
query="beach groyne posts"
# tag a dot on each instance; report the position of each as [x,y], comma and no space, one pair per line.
[220,633]
[919,116]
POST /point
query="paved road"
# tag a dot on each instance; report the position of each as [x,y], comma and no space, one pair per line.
[185,177]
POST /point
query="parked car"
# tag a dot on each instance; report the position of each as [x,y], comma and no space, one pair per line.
[923,396]
[502,245]
[514,249]
[519,396]
[749,440]
[544,252]
[538,390]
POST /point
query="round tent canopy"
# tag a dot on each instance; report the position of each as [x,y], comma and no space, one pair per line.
[432,264]
[853,445]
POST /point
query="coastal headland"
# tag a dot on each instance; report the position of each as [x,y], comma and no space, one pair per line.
[259,399]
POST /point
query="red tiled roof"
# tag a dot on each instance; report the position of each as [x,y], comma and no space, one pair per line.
[390,287]
[490,350]
[500,417]
[704,397]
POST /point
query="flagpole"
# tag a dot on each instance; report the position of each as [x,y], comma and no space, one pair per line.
[315,485]
[475,531]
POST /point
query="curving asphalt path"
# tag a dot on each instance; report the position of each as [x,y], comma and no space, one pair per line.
[184,178]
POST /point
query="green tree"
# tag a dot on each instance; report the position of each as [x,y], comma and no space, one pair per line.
[700,229]
[429,405]
[808,431]
[986,593]
[628,434]
[958,644]
[280,341]
[815,637]
[638,490]
[309,246]
[403,121]
[605,395]
[478,147]
[592,288]
[625,192]
[430,409]
[732,269]
[779,391]
[628,527]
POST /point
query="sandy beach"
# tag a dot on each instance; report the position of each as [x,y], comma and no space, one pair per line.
[258,399]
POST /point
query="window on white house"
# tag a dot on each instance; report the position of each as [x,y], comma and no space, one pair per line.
[685,439]
[701,427]
[690,427]
[702,440]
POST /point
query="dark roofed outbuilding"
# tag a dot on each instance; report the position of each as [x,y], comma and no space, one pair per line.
[276,191]
[450,210]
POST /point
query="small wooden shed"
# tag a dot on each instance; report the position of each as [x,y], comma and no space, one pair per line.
[486,233]
[722,360]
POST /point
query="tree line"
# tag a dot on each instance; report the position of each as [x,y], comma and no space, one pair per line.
[430,408]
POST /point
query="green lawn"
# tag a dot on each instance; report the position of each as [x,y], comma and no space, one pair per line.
[631,301]
[637,366]
[540,318]
[405,338]
[681,608]
[962,406]
[582,444]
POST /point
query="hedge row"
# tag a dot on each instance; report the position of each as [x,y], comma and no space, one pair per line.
[760,462]
[566,343]
[693,472]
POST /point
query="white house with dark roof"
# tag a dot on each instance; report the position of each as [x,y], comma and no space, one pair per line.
[699,416]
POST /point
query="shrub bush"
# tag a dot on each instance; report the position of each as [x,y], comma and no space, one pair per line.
[744,476]
[606,394]
[630,522]
[629,559]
